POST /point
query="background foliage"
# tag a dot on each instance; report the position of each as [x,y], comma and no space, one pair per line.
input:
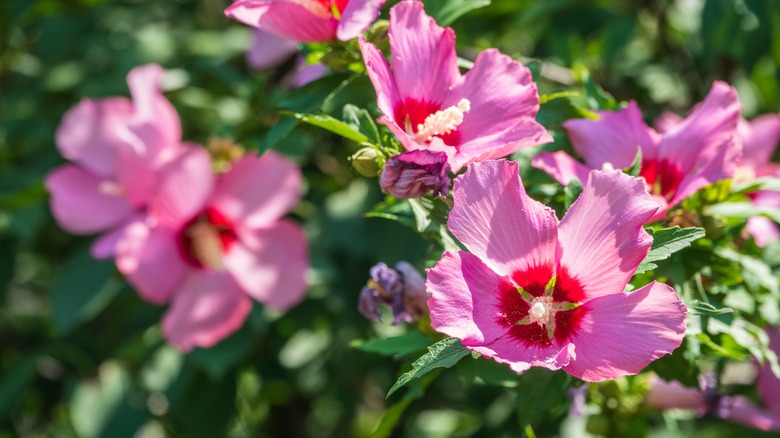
[82,355]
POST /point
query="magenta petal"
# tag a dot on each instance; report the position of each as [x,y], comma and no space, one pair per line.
[104,247]
[137,175]
[716,167]
[379,72]
[673,395]
[498,222]
[357,17]
[740,409]
[759,137]
[257,191]
[665,122]
[150,259]
[620,334]
[705,131]
[207,308]
[615,138]
[423,54]
[306,22]
[90,133]
[464,300]
[767,383]
[155,121]
[83,203]
[763,230]
[268,50]
[270,264]
[520,356]
[600,239]
[504,102]
[561,166]
[184,186]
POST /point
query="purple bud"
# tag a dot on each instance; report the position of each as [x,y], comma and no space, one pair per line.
[415,173]
[402,289]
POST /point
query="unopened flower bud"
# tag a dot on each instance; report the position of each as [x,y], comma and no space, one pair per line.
[415,173]
[402,288]
[364,162]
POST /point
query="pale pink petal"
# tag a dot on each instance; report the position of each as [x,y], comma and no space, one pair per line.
[520,356]
[137,175]
[464,300]
[760,138]
[90,133]
[600,239]
[208,307]
[664,123]
[155,121]
[184,186]
[150,259]
[720,165]
[767,383]
[357,17]
[766,199]
[620,334]
[561,166]
[740,409]
[303,74]
[504,102]
[270,264]
[498,222]
[104,247]
[379,72]
[705,131]
[257,191]
[763,230]
[615,138]
[84,203]
[288,19]
[268,50]
[673,395]
[423,54]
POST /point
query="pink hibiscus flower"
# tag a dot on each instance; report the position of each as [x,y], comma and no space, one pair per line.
[307,21]
[96,194]
[210,243]
[536,292]
[487,113]
[698,151]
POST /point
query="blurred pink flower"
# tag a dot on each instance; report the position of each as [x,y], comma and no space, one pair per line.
[210,243]
[485,114]
[307,21]
[96,194]
[695,152]
[536,292]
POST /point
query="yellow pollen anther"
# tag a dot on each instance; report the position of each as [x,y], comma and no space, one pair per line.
[541,310]
[441,122]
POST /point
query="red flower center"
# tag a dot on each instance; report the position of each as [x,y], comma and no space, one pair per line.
[663,178]
[330,5]
[540,306]
[412,113]
[206,238]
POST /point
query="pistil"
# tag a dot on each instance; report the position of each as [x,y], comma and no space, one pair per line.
[441,122]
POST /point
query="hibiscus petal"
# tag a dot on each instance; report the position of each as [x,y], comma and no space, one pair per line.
[270,264]
[257,191]
[464,300]
[155,121]
[207,308]
[716,167]
[767,383]
[740,409]
[763,230]
[561,166]
[268,50]
[84,203]
[357,17]
[705,131]
[104,247]
[498,222]
[287,19]
[504,102]
[620,334]
[600,239]
[423,54]
[615,138]
[760,138]
[90,133]
[381,77]
[150,260]
[183,188]
[520,355]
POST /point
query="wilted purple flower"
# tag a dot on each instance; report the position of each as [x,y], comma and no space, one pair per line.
[402,288]
[415,173]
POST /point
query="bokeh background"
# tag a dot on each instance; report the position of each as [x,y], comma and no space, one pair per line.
[82,355]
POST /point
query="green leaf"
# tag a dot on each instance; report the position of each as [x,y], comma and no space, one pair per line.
[743,210]
[223,357]
[764,183]
[360,119]
[328,123]
[395,346]
[598,99]
[83,288]
[542,390]
[445,12]
[544,98]
[636,165]
[702,308]
[572,192]
[666,242]
[422,215]
[315,94]
[445,353]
